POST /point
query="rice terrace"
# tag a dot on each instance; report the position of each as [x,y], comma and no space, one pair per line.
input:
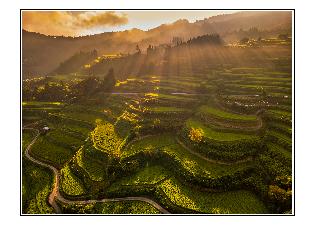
[193,116]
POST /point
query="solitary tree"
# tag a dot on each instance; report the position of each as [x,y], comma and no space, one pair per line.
[138,50]
[109,80]
[196,134]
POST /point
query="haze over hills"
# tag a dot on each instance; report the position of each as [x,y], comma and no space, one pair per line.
[185,118]
[42,54]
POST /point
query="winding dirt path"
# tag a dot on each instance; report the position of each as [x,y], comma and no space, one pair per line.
[55,191]
[55,194]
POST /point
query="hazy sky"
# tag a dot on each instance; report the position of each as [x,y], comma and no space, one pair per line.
[75,23]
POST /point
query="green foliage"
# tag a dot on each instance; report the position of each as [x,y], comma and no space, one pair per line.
[176,97]
[70,185]
[27,137]
[280,152]
[149,175]
[281,112]
[122,207]
[180,197]
[184,163]
[226,115]
[280,195]
[125,122]
[230,151]
[29,104]
[281,128]
[62,138]
[231,202]
[88,117]
[276,165]
[279,138]
[196,134]
[90,141]
[58,154]
[105,138]
[51,91]
[38,205]
[93,166]
[166,109]
[35,193]
[215,135]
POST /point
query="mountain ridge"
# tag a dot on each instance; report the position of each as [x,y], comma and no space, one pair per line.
[42,53]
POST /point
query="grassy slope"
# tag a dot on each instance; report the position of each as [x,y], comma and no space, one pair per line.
[70,184]
[191,198]
[216,135]
[189,161]
[227,115]
[166,109]
[121,207]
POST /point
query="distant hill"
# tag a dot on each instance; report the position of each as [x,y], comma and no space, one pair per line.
[42,54]
[76,62]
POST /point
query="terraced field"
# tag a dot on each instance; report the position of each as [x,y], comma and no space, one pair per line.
[116,207]
[165,145]
[182,196]
[180,158]
[212,134]
[189,117]
[226,115]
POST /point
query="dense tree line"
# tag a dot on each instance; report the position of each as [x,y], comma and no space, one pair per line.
[48,89]
[213,39]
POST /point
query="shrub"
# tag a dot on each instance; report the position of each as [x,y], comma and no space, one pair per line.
[196,134]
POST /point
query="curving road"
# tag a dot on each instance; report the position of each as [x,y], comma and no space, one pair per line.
[55,194]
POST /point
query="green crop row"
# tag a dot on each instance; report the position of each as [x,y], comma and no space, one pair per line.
[70,185]
[121,207]
[279,138]
[52,152]
[215,135]
[148,175]
[92,166]
[187,199]
[281,128]
[193,168]
[41,104]
[226,115]
[60,137]
[230,202]
[35,193]
[165,109]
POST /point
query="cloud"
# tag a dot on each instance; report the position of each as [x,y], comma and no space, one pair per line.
[70,23]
